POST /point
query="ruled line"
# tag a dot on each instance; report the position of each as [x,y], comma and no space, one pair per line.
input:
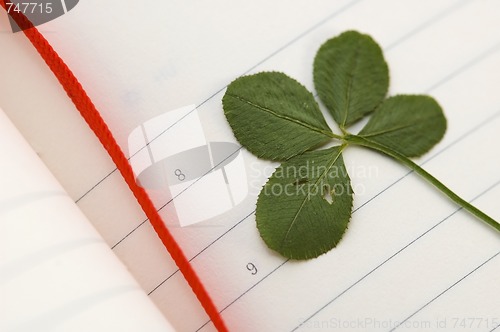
[203,250]
[495,328]
[463,136]
[248,290]
[399,41]
[434,19]
[461,69]
[487,121]
[392,256]
[446,290]
[276,52]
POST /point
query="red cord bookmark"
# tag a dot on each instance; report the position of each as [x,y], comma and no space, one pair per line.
[93,118]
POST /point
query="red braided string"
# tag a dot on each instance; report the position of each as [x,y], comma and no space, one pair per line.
[91,115]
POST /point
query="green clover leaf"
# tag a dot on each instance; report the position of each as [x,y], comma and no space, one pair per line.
[304,208]
[274,116]
[351,76]
[409,124]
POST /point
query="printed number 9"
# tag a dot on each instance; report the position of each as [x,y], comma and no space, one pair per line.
[252,268]
[180,175]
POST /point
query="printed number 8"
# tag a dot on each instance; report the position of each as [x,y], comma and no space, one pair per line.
[180,175]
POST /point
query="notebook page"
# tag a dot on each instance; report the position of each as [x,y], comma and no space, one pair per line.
[429,50]
[57,273]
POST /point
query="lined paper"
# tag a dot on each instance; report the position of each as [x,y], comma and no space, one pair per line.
[410,259]
[56,272]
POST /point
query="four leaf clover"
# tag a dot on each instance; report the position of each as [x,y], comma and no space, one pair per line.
[305,207]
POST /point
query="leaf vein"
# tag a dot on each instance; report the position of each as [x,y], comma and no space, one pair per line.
[388,130]
[334,160]
[349,85]
[284,117]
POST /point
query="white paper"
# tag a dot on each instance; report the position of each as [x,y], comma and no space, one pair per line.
[56,272]
[409,256]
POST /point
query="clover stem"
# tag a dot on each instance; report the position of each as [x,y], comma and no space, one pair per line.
[420,171]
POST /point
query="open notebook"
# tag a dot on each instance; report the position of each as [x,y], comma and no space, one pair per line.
[58,274]
[157,72]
